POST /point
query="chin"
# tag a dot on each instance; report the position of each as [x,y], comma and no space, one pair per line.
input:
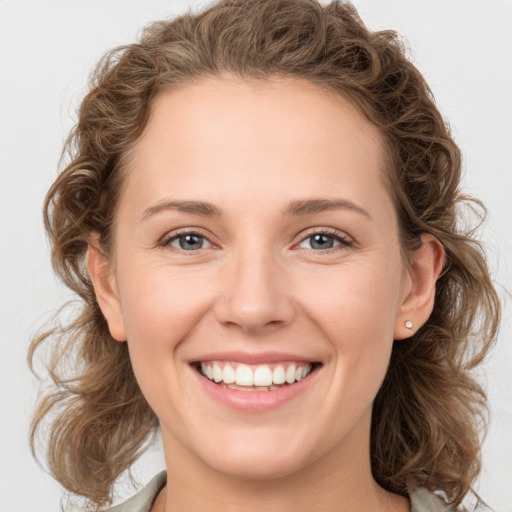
[258,468]
[253,459]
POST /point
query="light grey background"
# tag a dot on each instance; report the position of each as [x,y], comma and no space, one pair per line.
[47,49]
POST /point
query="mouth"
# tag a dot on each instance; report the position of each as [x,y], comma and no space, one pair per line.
[255,377]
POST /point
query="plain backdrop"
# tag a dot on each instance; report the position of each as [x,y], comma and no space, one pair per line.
[47,49]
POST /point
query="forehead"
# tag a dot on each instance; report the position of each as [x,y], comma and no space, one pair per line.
[306,110]
[228,136]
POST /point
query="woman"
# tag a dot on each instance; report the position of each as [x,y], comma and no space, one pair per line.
[261,215]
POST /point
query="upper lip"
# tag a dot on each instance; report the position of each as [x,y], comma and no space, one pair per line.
[253,358]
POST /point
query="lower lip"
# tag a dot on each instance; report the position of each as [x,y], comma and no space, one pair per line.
[256,401]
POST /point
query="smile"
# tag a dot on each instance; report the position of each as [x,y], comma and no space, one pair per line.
[262,377]
[255,383]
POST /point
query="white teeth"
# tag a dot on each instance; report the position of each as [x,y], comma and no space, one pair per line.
[279,375]
[263,376]
[290,374]
[228,374]
[258,377]
[217,372]
[248,388]
[244,376]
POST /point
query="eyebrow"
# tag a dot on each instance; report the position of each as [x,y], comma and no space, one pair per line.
[309,206]
[296,208]
[195,207]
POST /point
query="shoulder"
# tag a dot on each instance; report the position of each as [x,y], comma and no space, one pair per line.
[144,499]
[423,500]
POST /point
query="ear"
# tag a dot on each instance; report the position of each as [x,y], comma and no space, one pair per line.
[103,279]
[425,267]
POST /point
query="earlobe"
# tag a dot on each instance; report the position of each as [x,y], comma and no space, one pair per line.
[105,288]
[426,265]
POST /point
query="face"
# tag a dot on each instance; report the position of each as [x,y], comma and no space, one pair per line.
[256,243]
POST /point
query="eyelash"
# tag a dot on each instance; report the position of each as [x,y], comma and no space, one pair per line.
[166,240]
[344,241]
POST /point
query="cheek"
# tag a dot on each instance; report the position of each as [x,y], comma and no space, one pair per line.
[354,300]
[161,305]
[355,309]
[161,309]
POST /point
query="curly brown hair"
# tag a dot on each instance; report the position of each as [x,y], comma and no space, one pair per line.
[430,412]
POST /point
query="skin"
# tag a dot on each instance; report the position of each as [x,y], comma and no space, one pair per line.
[259,285]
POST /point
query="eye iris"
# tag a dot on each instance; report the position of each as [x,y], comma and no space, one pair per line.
[322,241]
[191,242]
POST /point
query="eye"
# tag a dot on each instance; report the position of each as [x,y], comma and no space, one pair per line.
[187,241]
[323,241]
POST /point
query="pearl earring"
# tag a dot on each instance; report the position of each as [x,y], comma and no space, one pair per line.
[408,324]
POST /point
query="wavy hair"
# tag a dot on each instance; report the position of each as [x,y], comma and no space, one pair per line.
[430,413]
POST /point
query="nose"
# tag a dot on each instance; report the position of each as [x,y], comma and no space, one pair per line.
[255,295]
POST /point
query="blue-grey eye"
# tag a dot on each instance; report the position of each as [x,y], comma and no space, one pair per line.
[188,242]
[319,242]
